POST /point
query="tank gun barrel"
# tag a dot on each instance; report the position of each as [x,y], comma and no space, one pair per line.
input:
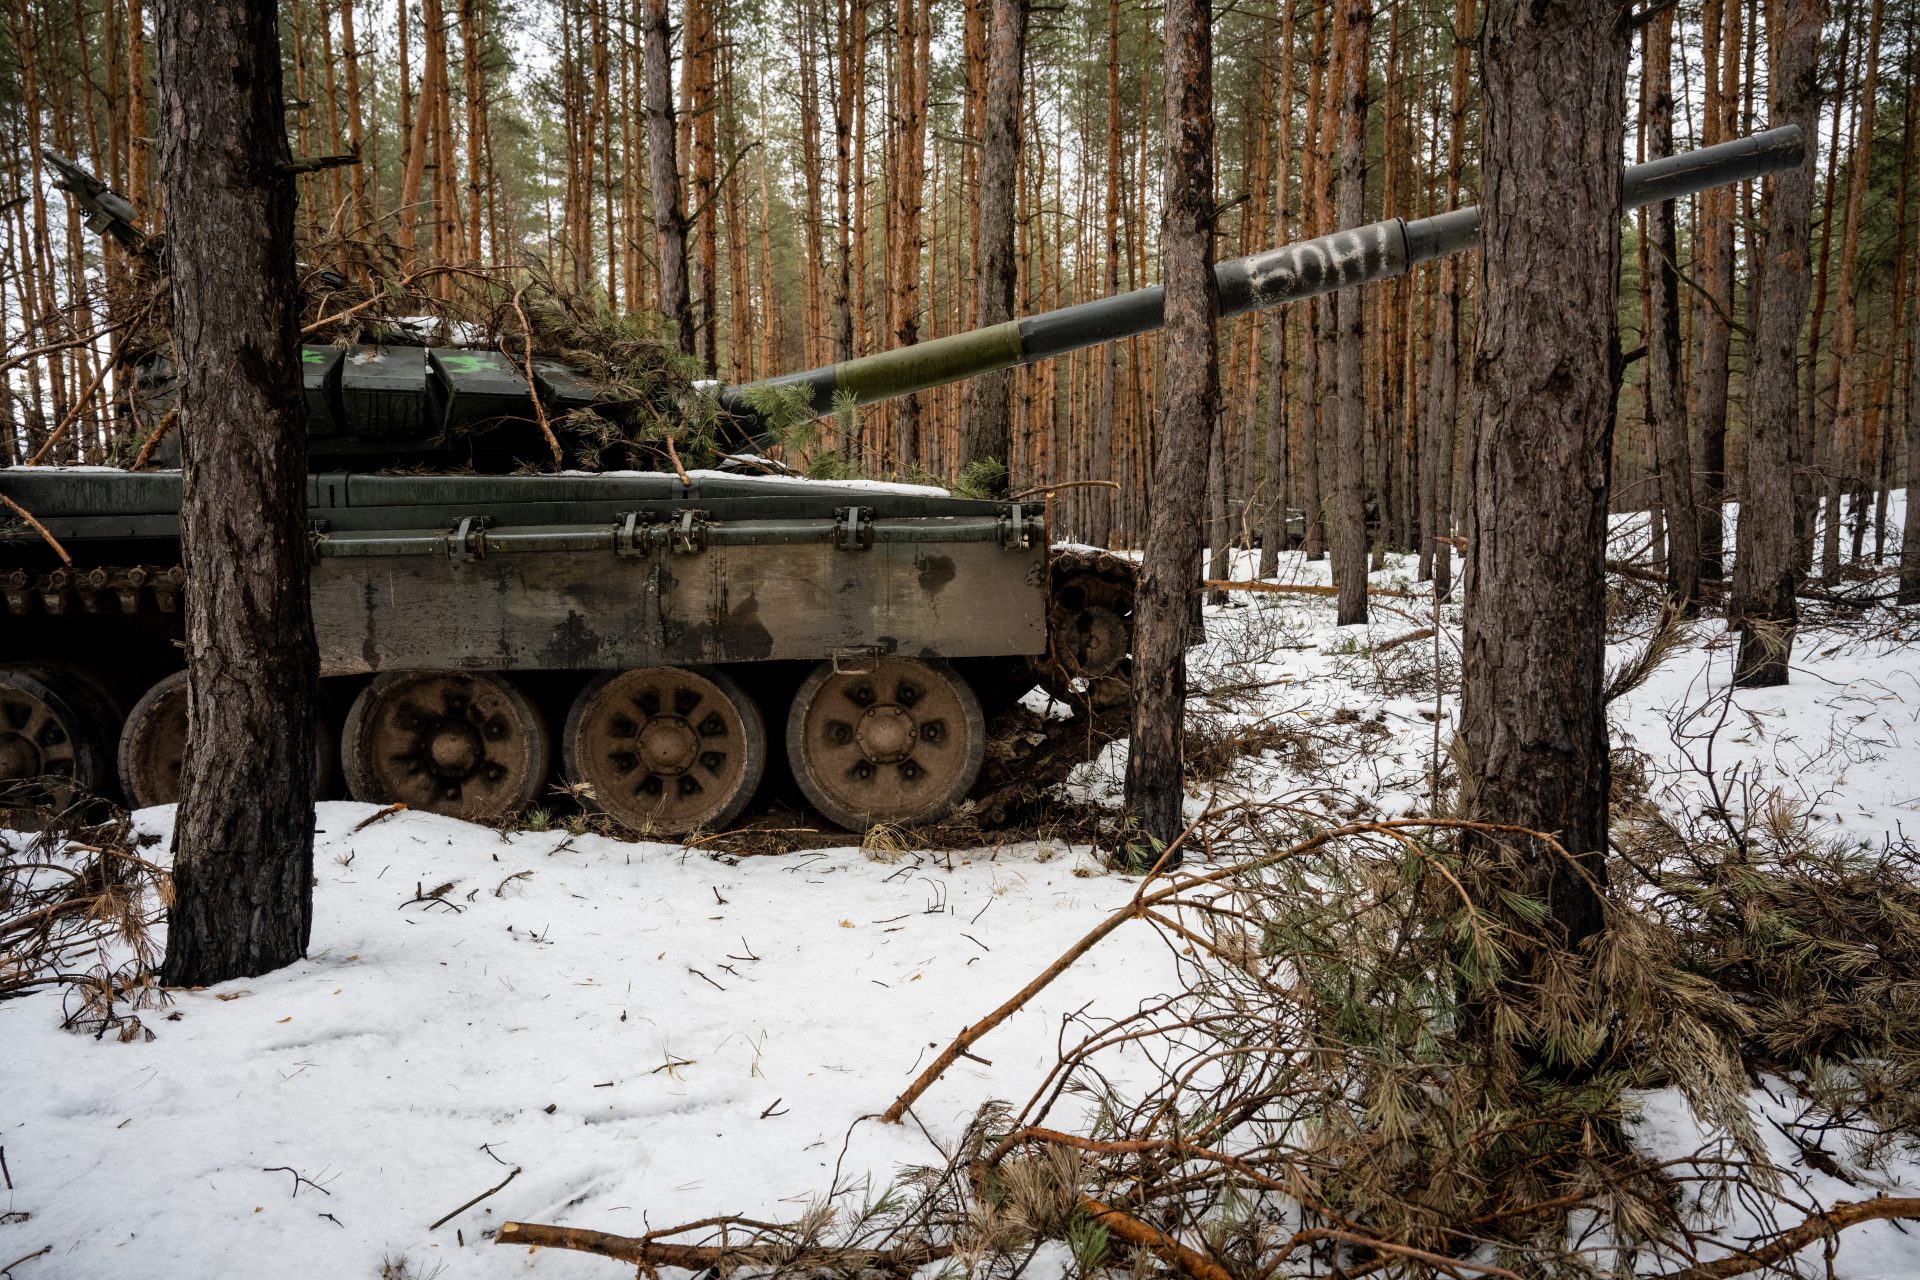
[1291,273]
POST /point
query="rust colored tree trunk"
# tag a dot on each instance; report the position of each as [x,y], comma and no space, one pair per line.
[1444,395]
[851,48]
[1807,490]
[363,193]
[1313,544]
[1910,528]
[913,26]
[986,430]
[1714,324]
[1667,418]
[814,346]
[1100,528]
[1767,559]
[1273,533]
[1533,718]
[1843,444]
[424,112]
[139,184]
[243,845]
[669,219]
[1348,504]
[1189,397]
[473,62]
[697,68]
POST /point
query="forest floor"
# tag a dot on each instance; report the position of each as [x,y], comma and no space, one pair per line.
[644,1034]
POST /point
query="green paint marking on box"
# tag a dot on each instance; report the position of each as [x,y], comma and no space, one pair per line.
[320,377]
[477,387]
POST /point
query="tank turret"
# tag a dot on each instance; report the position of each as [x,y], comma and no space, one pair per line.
[411,402]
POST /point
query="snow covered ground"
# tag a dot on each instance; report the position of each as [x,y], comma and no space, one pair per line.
[650,1034]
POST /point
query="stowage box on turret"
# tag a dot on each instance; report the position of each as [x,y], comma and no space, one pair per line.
[652,642]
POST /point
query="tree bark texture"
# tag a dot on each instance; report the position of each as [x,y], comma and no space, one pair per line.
[669,219]
[1100,512]
[1189,396]
[1665,403]
[1278,479]
[1437,513]
[1347,521]
[1767,556]
[1910,527]
[1546,368]
[1843,442]
[243,843]
[1715,324]
[987,422]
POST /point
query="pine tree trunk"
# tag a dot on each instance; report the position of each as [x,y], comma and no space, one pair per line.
[424,109]
[139,128]
[1348,505]
[474,67]
[363,192]
[1533,719]
[1910,527]
[1273,534]
[849,50]
[698,40]
[815,347]
[912,27]
[987,425]
[1767,559]
[669,220]
[243,844]
[1445,358]
[1314,372]
[1100,527]
[1667,419]
[1189,392]
[1807,488]
[1714,323]
[1843,444]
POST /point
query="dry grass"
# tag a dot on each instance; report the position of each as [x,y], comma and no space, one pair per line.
[73,893]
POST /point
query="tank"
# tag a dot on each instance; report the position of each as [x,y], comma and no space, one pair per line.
[657,645]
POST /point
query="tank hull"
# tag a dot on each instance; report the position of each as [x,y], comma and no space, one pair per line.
[553,582]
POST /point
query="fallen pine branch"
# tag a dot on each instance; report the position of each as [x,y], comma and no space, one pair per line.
[1300,588]
[1141,904]
[1821,1226]
[1718,586]
[1124,1226]
[648,1252]
[1412,637]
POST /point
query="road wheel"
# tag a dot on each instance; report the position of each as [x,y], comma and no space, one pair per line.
[55,728]
[666,750]
[451,742]
[153,745]
[899,742]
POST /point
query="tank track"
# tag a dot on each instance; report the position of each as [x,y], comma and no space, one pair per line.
[103,589]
